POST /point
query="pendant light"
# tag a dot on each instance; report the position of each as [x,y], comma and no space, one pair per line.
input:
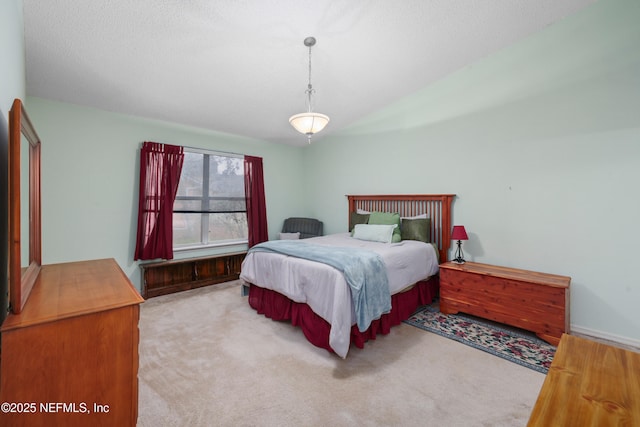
[309,123]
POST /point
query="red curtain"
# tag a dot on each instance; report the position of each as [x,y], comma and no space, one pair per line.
[160,167]
[254,196]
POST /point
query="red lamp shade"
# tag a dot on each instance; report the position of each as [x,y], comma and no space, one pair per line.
[459,233]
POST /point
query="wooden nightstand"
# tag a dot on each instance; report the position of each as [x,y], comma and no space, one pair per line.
[537,302]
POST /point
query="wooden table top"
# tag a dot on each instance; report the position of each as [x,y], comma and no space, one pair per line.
[73,289]
[589,384]
[510,273]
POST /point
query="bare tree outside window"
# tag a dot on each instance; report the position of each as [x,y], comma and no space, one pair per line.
[210,206]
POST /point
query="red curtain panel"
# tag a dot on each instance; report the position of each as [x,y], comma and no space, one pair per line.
[254,196]
[160,168]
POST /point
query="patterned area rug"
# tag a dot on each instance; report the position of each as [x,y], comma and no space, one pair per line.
[512,344]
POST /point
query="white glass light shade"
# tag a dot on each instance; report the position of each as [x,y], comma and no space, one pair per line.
[309,123]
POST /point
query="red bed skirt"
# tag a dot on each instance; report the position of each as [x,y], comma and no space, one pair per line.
[278,307]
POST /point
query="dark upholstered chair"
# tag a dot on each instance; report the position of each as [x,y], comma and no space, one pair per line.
[308,227]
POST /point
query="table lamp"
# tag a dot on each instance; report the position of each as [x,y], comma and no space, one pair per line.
[459,234]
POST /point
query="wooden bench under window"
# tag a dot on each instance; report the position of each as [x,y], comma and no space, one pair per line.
[165,277]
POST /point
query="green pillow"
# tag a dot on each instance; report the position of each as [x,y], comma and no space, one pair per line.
[387,218]
[416,229]
[357,218]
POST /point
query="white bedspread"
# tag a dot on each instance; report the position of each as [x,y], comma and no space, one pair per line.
[324,289]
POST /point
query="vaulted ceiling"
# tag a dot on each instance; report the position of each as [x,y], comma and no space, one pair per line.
[240,66]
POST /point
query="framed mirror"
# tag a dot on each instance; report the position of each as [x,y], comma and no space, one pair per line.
[25,244]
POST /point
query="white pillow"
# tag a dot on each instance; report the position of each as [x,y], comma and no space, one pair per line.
[421,216]
[362,211]
[290,236]
[374,232]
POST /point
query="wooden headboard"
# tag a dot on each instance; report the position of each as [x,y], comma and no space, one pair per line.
[436,206]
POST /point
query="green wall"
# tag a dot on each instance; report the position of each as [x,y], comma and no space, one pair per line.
[90,175]
[541,144]
[12,71]
[12,85]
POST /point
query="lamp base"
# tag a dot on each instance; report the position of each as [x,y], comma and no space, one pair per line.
[459,255]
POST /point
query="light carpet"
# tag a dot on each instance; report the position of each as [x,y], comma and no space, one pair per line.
[208,359]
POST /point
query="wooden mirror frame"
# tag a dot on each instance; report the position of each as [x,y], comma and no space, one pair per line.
[21,280]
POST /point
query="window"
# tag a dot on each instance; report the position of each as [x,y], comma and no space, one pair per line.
[210,206]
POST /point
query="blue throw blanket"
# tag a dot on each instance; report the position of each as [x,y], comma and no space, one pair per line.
[363,270]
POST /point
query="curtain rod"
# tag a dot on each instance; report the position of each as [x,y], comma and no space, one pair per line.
[209,149]
[205,149]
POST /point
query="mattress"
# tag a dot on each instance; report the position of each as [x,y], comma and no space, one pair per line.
[324,289]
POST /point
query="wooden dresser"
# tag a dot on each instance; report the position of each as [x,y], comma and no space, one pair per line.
[70,358]
[537,302]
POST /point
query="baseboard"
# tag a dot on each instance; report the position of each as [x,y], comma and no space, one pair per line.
[630,343]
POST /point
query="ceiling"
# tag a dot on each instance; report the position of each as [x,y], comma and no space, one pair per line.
[240,66]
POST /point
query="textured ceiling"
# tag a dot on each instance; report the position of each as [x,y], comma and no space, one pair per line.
[240,66]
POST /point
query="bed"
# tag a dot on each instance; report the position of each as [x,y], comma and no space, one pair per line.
[320,297]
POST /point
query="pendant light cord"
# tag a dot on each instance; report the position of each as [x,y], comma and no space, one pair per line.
[309,90]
